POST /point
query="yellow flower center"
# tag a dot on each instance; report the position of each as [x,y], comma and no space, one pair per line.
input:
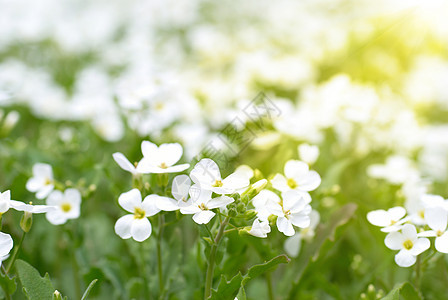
[47,181]
[66,207]
[392,222]
[292,183]
[159,106]
[217,183]
[139,213]
[163,165]
[202,206]
[421,214]
[439,232]
[287,213]
[408,244]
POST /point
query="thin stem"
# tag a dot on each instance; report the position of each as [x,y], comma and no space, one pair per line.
[212,257]
[417,272]
[269,285]
[159,256]
[14,255]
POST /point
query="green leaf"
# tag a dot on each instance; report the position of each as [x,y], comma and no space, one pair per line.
[323,233]
[241,294]
[8,284]
[86,293]
[404,291]
[228,289]
[35,287]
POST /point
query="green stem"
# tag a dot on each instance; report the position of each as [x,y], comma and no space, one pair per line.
[76,275]
[159,256]
[212,257]
[269,285]
[417,272]
[16,251]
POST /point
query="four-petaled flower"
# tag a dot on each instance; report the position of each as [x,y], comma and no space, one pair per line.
[136,224]
[409,244]
[42,182]
[161,159]
[390,220]
[298,177]
[437,219]
[68,206]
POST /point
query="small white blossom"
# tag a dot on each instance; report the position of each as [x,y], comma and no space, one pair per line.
[263,201]
[42,181]
[136,224]
[203,203]
[207,175]
[260,228]
[308,153]
[294,209]
[409,244]
[68,206]
[390,220]
[161,159]
[6,203]
[298,177]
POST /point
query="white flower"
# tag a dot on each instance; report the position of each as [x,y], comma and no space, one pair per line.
[6,244]
[298,177]
[293,244]
[437,220]
[206,174]
[409,244]
[396,170]
[124,163]
[418,208]
[294,209]
[263,201]
[161,159]
[136,224]
[6,203]
[42,181]
[308,153]
[68,206]
[203,203]
[390,220]
[260,228]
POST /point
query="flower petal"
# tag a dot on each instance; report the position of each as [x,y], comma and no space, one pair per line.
[130,200]
[293,244]
[205,172]
[310,182]
[141,229]
[394,240]
[166,204]
[442,243]
[123,162]
[409,231]
[404,258]
[6,244]
[219,202]
[422,244]
[56,217]
[180,187]
[149,205]
[436,218]
[170,153]
[279,183]
[300,220]
[285,226]
[296,169]
[123,226]
[203,217]
[44,191]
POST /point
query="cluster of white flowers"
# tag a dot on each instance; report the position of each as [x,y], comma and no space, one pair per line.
[204,192]
[408,231]
[67,203]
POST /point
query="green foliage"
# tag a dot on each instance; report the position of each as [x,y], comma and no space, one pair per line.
[405,291]
[35,287]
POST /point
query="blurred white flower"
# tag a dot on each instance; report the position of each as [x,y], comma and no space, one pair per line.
[308,153]
[68,206]
[437,220]
[298,177]
[42,181]
[161,159]
[390,220]
[6,203]
[207,175]
[260,228]
[417,209]
[203,203]
[396,170]
[294,209]
[136,224]
[409,244]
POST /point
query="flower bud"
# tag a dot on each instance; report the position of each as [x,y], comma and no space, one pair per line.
[241,208]
[249,214]
[232,212]
[26,221]
[57,295]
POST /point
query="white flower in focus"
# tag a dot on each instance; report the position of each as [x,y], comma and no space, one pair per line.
[390,220]
[308,153]
[294,209]
[124,163]
[203,203]
[263,201]
[6,203]
[293,244]
[409,244]
[42,181]
[6,244]
[161,159]
[68,206]
[298,177]
[437,220]
[136,224]
[207,175]
[260,228]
